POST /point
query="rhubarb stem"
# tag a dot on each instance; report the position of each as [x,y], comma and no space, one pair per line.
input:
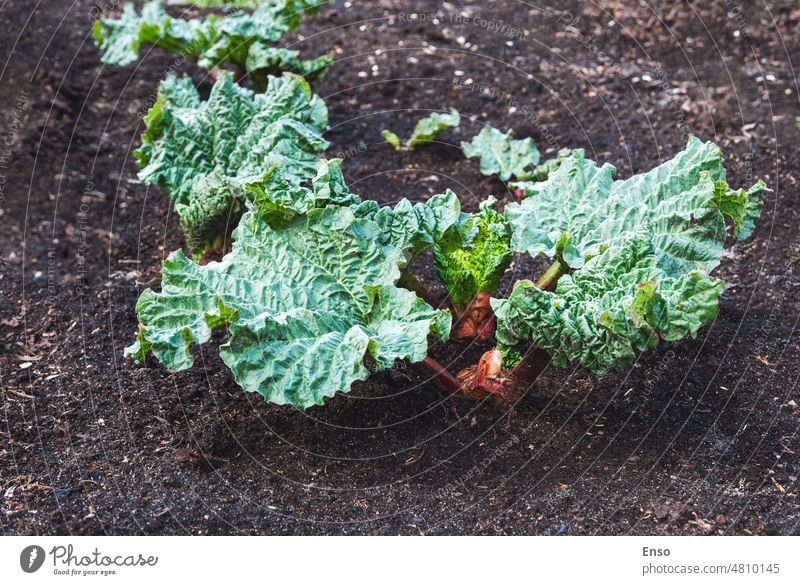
[443,376]
[412,283]
[531,365]
[536,360]
[239,73]
[549,279]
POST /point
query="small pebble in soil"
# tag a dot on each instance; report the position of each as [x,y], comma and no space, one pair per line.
[59,493]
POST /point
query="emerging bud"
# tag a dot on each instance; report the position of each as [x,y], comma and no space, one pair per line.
[477,322]
[488,379]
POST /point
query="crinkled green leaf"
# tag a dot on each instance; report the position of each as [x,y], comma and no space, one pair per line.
[212,155]
[412,228]
[681,204]
[212,41]
[329,185]
[643,249]
[740,206]
[263,60]
[430,127]
[472,255]
[503,156]
[621,301]
[305,306]
[278,199]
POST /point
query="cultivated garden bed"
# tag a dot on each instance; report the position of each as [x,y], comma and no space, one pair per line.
[695,435]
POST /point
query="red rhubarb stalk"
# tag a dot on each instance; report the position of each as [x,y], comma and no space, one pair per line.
[477,322]
[443,376]
[487,378]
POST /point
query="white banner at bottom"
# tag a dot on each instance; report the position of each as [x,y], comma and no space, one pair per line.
[402,560]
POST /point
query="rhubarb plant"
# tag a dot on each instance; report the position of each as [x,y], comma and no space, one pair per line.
[211,156]
[632,258]
[244,40]
[316,295]
[500,154]
[311,307]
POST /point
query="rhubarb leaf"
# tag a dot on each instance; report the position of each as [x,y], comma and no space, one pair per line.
[305,306]
[430,127]
[681,204]
[278,199]
[621,301]
[263,60]
[643,249]
[503,156]
[213,155]
[472,255]
[412,228]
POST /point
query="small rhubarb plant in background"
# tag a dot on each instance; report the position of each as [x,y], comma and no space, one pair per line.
[510,160]
[244,40]
[500,154]
[426,130]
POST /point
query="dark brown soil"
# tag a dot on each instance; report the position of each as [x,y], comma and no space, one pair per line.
[698,437]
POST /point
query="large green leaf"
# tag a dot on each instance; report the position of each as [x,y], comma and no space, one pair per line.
[642,250]
[212,41]
[503,156]
[619,302]
[471,256]
[212,155]
[681,204]
[305,306]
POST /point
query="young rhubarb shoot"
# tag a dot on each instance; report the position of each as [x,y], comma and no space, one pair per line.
[391,139]
[426,130]
[488,378]
[470,259]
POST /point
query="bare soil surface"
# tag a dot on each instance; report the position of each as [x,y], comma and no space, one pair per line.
[699,437]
